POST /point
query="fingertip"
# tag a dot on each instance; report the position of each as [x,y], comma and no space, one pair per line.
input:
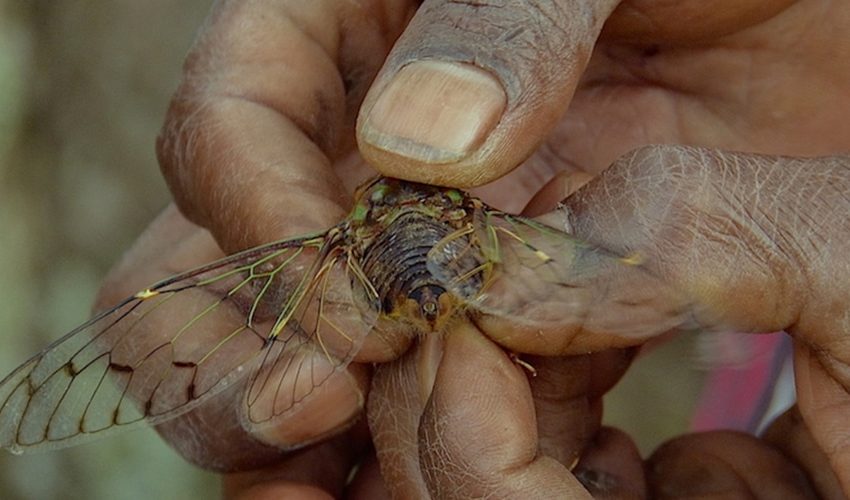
[286,416]
[478,393]
[477,380]
[723,463]
[469,91]
[318,472]
[612,466]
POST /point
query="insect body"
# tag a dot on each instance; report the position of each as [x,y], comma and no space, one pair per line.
[401,225]
[407,260]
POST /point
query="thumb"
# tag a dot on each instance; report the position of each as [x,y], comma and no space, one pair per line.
[471,88]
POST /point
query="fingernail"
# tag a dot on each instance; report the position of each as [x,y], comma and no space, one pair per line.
[435,111]
[288,409]
[598,483]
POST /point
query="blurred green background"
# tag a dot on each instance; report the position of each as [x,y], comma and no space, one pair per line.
[83,89]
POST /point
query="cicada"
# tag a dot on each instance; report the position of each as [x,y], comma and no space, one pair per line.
[409,259]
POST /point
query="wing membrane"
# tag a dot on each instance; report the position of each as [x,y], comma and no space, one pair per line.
[337,311]
[527,271]
[167,349]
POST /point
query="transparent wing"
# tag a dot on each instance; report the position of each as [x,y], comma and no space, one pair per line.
[337,309]
[169,348]
[533,273]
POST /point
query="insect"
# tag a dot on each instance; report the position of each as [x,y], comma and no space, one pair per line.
[408,260]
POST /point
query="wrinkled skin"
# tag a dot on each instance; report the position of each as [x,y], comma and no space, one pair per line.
[259,144]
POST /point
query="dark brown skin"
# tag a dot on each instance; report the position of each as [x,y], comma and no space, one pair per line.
[259,144]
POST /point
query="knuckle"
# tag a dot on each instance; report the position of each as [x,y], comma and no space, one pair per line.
[665,163]
[177,144]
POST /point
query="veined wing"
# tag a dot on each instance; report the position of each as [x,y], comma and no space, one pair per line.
[536,274]
[174,345]
[338,308]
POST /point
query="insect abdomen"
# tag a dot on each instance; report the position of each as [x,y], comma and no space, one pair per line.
[396,260]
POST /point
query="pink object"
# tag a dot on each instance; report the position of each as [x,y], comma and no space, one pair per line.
[738,396]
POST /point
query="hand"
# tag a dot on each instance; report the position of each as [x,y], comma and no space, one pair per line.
[234,140]
[733,80]
[759,242]
[481,427]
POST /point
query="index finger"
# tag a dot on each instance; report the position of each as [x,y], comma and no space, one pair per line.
[261,115]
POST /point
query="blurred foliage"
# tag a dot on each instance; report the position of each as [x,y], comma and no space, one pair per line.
[83,90]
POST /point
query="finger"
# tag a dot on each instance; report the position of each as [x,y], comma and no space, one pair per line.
[470,89]
[651,21]
[566,417]
[567,393]
[478,436]
[734,231]
[759,242]
[397,398]
[268,94]
[319,472]
[723,465]
[612,467]
[790,435]
[213,435]
[824,404]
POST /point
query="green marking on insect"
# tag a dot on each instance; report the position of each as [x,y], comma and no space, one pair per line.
[145,294]
[492,251]
[633,259]
[540,254]
[359,213]
[454,195]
